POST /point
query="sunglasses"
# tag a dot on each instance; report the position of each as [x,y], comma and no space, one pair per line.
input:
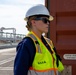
[45,20]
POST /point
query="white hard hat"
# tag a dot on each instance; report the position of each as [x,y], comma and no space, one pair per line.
[38,10]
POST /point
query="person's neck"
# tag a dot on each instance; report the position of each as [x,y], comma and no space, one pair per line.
[38,34]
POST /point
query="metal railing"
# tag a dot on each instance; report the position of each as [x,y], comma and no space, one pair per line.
[11,37]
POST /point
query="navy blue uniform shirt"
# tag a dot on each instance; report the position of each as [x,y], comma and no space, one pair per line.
[24,57]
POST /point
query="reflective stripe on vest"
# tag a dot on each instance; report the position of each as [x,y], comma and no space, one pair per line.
[32,72]
[44,62]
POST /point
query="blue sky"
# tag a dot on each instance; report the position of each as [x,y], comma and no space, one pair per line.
[12,13]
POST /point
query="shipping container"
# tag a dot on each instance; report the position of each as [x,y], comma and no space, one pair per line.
[62,31]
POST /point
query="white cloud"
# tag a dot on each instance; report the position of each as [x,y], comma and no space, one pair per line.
[13,12]
[24,2]
[12,16]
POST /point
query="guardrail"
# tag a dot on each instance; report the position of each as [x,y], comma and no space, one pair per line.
[11,37]
[8,40]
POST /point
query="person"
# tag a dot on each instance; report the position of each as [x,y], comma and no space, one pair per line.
[36,54]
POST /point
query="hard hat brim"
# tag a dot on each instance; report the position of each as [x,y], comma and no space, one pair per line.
[50,18]
[25,19]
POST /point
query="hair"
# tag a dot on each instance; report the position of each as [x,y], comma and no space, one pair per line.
[29,24]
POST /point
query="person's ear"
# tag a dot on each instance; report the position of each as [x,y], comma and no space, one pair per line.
[33,22]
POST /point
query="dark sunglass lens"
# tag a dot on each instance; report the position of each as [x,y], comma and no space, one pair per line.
[45,20]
